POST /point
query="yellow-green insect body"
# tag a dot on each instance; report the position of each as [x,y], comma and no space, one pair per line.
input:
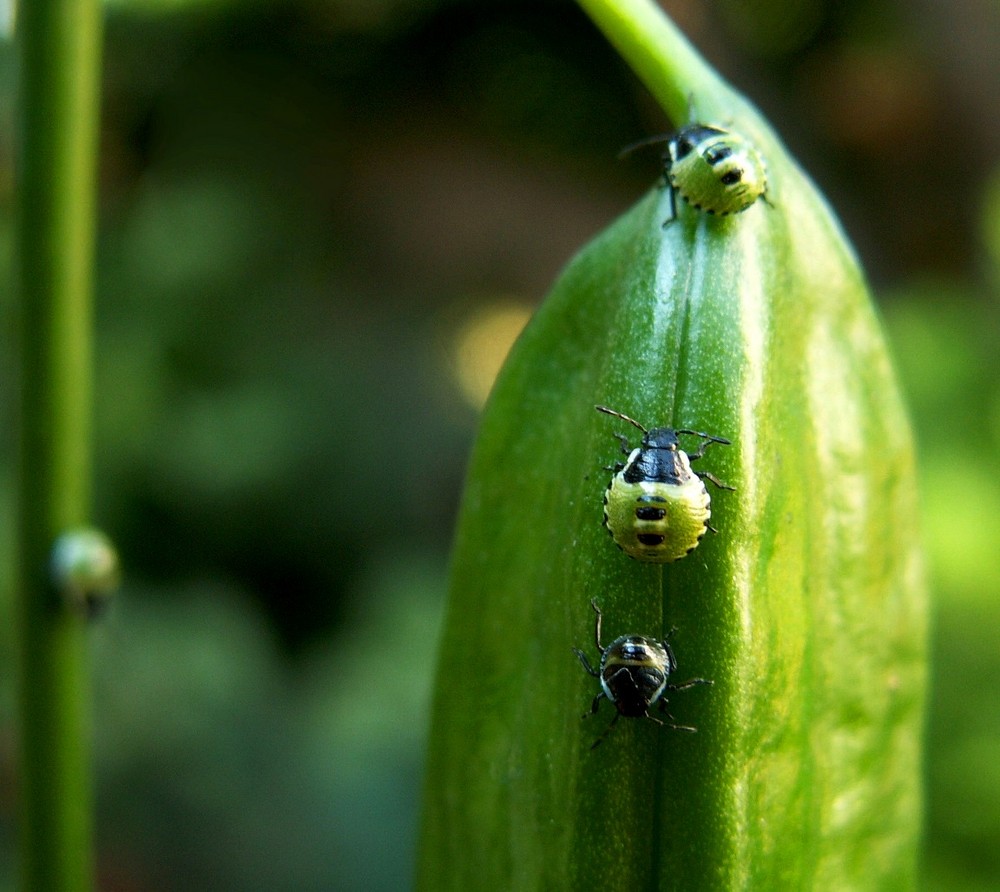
[657,520]
[656,507]
[714,169]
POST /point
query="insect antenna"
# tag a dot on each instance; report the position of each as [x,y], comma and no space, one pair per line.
[642,143]
[607,731]
[709,437]
[608,411]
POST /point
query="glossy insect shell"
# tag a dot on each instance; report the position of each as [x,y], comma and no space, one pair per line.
[656,508]
[634,672]
[714,169]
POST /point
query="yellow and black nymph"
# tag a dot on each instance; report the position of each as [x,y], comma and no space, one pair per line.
[656,507]
[714,169]
[634,672]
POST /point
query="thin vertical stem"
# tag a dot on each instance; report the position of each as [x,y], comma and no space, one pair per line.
[59,54]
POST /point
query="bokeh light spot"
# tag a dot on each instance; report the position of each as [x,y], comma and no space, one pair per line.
[481,346]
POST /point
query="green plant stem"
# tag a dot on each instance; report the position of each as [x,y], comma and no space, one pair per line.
[59,55]
[663,60]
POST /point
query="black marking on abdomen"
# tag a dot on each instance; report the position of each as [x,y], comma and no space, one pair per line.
[717,153]
[650,513]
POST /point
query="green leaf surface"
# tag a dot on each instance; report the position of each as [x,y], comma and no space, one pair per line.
[807,608]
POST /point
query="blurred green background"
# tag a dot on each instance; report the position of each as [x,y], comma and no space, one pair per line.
[321,224]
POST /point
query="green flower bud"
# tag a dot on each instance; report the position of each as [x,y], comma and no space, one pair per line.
[807,609]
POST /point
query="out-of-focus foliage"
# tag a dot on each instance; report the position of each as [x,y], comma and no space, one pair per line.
[219,771]
[306,207]
[946,338]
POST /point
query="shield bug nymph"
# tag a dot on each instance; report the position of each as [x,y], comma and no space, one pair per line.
[634,672]
[656,507]
[713,168]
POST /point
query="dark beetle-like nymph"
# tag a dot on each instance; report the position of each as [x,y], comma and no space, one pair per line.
[634,672]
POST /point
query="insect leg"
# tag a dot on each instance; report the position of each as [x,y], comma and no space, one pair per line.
[705,475]
[595,705]
[607,731]
[597,627]
[690,683]
[582,657]
[671,723]
[673,204]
